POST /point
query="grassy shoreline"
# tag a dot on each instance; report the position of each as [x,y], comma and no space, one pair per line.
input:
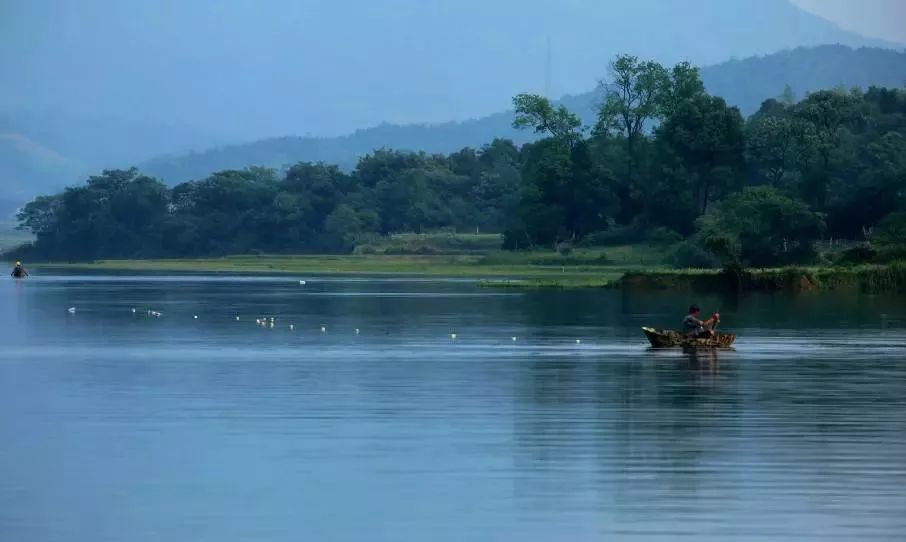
[492,268]
[435,266]
[531,271]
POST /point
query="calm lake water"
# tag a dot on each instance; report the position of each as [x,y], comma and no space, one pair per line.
[117,426]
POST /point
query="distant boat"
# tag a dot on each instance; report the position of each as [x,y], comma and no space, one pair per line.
[665,338]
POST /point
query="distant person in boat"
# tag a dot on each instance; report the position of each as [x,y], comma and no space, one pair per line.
[19,272]
[694,327]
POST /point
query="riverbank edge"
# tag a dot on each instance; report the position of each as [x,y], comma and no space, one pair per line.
[865,278]
[889,278]
[464,267]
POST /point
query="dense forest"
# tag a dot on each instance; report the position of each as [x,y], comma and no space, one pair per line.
[664,162]
[43,153]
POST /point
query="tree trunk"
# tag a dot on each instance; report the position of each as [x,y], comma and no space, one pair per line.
[630,161]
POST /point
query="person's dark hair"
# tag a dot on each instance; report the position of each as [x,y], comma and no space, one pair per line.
[693,309]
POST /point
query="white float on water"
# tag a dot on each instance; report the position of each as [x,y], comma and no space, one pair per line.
[133,310]
[71,310]
[356,331]
[292,327]
[302,283]
[323,329]
[514,339]
[453,336]
[195,317]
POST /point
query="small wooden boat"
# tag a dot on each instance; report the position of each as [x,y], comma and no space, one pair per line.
[666,338]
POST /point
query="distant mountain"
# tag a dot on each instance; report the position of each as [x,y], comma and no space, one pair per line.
[248,70]
[103,83]
[745,83]
[41,152]
[24,164]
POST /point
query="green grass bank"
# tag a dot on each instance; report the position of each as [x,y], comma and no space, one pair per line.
[472,256]
[530,274]
[581,268]
[863,278]
[505,269]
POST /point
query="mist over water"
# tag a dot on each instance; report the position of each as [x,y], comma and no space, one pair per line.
[122,426]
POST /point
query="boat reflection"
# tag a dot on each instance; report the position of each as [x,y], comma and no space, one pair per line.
[703,358]
[695,358]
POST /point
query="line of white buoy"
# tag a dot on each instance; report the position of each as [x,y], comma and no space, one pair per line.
[270,322]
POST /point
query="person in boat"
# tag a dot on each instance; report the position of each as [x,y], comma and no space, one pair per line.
[19,272]
[695,328]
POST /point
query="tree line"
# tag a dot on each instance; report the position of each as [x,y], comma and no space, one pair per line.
[665,162]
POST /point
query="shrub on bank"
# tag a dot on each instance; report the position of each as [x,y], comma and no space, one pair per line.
[617,235]
[864,278]
[631,234]
[860,254]
[688,255]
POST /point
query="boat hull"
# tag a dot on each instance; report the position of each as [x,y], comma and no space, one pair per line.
[665,338]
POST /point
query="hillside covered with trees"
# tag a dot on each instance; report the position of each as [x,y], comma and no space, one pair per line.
[665,162]
[146,82]
[742,83]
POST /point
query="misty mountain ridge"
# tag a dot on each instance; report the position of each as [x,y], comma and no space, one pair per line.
[105,84]
[744,83]
[247,71]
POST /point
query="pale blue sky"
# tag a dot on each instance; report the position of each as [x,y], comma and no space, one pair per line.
[885,19]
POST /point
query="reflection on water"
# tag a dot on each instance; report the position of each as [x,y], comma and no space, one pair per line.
[116,426]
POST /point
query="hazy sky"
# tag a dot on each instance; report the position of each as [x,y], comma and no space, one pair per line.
[237,70]
[885,19]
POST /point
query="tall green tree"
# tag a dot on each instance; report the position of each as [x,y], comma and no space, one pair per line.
[563,197]
[537,112]
[825,115]
[633,96]
[496,191]
[705,136]
[771,146]
[682,84]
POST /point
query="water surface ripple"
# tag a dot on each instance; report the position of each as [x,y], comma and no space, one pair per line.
[117,425]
